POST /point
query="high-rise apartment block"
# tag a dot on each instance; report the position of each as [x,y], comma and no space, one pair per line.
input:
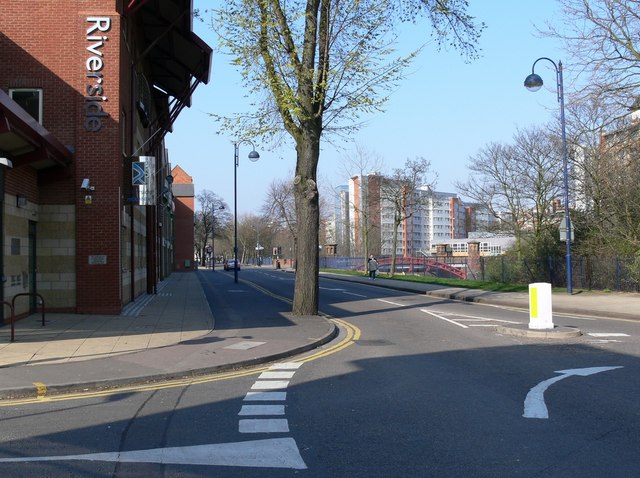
[367,215]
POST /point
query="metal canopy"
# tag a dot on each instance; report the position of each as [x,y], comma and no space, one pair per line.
[178,59]
[23,138]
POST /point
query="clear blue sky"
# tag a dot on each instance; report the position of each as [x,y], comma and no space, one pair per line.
[446,110]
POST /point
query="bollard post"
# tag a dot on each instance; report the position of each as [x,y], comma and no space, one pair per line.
[540,307]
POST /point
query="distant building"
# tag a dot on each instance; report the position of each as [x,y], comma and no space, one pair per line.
[434,217]
[341,222]
[184,194]
[490,245]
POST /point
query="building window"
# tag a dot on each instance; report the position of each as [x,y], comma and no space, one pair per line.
[30,99]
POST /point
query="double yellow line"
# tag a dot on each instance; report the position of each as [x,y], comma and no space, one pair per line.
[351,335]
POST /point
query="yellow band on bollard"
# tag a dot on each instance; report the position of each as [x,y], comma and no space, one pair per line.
[41,389]
[533,302]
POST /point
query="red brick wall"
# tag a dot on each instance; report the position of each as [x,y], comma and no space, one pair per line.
[184,220]
[99,158]
[43,44]
[30,58]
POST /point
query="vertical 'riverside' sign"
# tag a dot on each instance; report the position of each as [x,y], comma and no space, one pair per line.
[94,99]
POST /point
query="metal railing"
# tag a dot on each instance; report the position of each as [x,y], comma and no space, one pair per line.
[620,274]
[12,306]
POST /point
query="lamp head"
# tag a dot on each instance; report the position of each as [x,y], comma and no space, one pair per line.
[533,82]
[254,156]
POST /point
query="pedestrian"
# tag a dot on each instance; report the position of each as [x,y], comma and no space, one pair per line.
[372,267]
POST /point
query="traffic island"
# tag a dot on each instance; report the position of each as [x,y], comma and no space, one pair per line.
[557,332]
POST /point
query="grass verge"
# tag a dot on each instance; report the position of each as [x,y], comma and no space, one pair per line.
[463,283]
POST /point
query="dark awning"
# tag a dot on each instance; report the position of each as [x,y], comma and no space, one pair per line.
[177,57]
[25,140]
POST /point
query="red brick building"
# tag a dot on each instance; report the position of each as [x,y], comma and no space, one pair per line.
[184,200]
[88,90]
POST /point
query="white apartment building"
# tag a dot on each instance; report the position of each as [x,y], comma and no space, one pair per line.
[436,218]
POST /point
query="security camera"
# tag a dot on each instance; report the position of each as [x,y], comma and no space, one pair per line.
[85,184]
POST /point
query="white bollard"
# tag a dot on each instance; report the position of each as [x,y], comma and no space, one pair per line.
[540,309]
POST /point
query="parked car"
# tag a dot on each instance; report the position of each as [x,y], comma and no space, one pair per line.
[231,264]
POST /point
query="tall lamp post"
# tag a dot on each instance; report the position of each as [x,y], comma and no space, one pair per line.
[253,156]
[533,83]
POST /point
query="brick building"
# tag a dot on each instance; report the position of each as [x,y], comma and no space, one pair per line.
[88,90]
[184,194]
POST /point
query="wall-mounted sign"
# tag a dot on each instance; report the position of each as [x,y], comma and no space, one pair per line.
[94,66]
[148,190]
[97,260]
[137,174]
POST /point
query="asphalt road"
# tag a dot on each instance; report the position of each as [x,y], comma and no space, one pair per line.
[413,386]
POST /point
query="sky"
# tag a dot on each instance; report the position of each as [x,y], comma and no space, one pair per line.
[446,110]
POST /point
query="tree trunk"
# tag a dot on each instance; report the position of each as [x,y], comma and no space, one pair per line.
[394,247]
[305,298]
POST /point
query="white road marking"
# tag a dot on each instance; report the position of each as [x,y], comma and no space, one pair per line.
[267,375]
[534,406]
[244,345]
[354,294]
[444,318]
[270,385]
[265,396]
[269,380]
[270,453]
[268,425]
[392,303]
[468,319]
[596,334]
[475,317]
[259,410]
[286,366]
[489,320]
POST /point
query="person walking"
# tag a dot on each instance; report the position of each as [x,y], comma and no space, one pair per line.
[372,267]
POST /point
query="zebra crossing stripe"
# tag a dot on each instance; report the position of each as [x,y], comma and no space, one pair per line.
[270,384]
[275,375]
[269,425]
[268,388]
[262,410]
[265,397]
[286,366]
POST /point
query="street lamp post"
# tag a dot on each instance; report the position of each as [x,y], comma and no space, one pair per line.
[534,82]
[253,156]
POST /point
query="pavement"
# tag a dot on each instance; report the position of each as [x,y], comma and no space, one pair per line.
[171,335]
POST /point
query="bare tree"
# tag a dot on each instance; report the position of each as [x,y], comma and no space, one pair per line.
[279,209]
[518,183]
[602,38]
[319,65]
[210,219]
[404,192]
[618,204]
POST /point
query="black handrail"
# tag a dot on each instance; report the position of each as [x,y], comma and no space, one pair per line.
[31,294]
[13,321]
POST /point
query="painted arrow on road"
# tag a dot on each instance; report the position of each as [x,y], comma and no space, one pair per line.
[534,406]
[270,453]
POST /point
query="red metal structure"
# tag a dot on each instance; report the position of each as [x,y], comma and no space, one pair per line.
[420,265]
